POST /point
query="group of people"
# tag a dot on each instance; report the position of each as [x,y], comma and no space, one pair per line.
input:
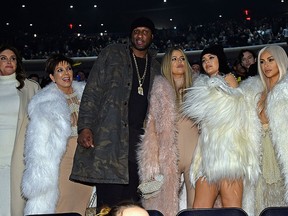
[135,120]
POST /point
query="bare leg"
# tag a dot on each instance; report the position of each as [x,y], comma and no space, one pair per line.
[231,193]
[205,194]
[190,191]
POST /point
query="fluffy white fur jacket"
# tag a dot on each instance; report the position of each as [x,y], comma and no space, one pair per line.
[158,152]
[224,149]
[277,113]
[46,138]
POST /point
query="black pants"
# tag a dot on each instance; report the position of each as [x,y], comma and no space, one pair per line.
[112,194]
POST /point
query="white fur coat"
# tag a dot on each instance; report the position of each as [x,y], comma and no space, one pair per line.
[46,139]
[224,150]
[277,113]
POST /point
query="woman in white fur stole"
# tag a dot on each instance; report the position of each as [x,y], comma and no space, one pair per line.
[169,140]
[223,162]
[50,143]
[267,97]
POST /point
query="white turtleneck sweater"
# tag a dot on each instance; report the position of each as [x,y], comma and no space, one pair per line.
[9,103]
[9,108]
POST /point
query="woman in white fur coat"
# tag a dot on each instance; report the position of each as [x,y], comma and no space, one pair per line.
[169,140]
[224,162]
[51,140]
[267,97]
[256,114]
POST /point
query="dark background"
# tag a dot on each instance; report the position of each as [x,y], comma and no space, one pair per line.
[54,16]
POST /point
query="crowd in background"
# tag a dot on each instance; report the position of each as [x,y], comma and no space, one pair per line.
[230,33]
[114,138]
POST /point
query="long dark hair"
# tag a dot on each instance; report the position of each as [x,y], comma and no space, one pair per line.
[20,73]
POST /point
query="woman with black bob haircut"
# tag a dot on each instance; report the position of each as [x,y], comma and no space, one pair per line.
[52,139]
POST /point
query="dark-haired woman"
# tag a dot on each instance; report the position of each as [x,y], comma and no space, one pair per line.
[50,144]
[15,94]
[223,164]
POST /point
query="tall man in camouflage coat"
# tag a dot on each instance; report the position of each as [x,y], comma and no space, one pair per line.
[112,112]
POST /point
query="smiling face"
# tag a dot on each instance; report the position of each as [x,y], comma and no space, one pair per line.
[141,38]
[8,62]
[210,64]
[63,77]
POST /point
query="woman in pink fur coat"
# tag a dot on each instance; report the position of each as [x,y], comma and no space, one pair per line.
[169,140]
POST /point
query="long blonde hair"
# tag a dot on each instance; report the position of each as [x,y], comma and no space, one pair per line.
[281,60]
[166,70]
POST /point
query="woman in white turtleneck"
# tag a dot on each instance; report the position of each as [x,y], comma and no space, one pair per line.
[15,93]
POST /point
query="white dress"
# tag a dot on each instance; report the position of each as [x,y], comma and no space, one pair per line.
[9,103]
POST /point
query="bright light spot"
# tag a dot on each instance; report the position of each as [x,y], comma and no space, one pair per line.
[101,34]
[171,19]
[71,6]
[175,27]
[95,6]
[78,34]
[102,24]
[80,25]
[282,1]
[105,31]
[23,6]
[7,24]
[35,35]
[31,24]
[220,16]
[164,1]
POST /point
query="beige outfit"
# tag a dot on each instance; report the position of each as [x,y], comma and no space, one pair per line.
[187,141]
[270,189]
[17,161]
[73,197]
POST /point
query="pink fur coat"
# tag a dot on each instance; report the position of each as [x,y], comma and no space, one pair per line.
[158,152]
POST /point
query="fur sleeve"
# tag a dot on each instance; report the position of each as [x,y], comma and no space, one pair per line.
[278,119]
[225,150]
[160,117]
[208,97]
[45,143]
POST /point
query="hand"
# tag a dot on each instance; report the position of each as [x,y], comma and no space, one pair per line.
[85,138]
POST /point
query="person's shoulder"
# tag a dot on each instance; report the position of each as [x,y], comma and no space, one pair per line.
[113,50]
[282,85]
[115,46]
[162,85]
[78,86]
[32,84]
[251,85]
[160,80]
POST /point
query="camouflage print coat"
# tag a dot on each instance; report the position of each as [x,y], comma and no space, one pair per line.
[104,109]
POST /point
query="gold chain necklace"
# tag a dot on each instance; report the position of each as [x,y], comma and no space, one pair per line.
[140,79]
